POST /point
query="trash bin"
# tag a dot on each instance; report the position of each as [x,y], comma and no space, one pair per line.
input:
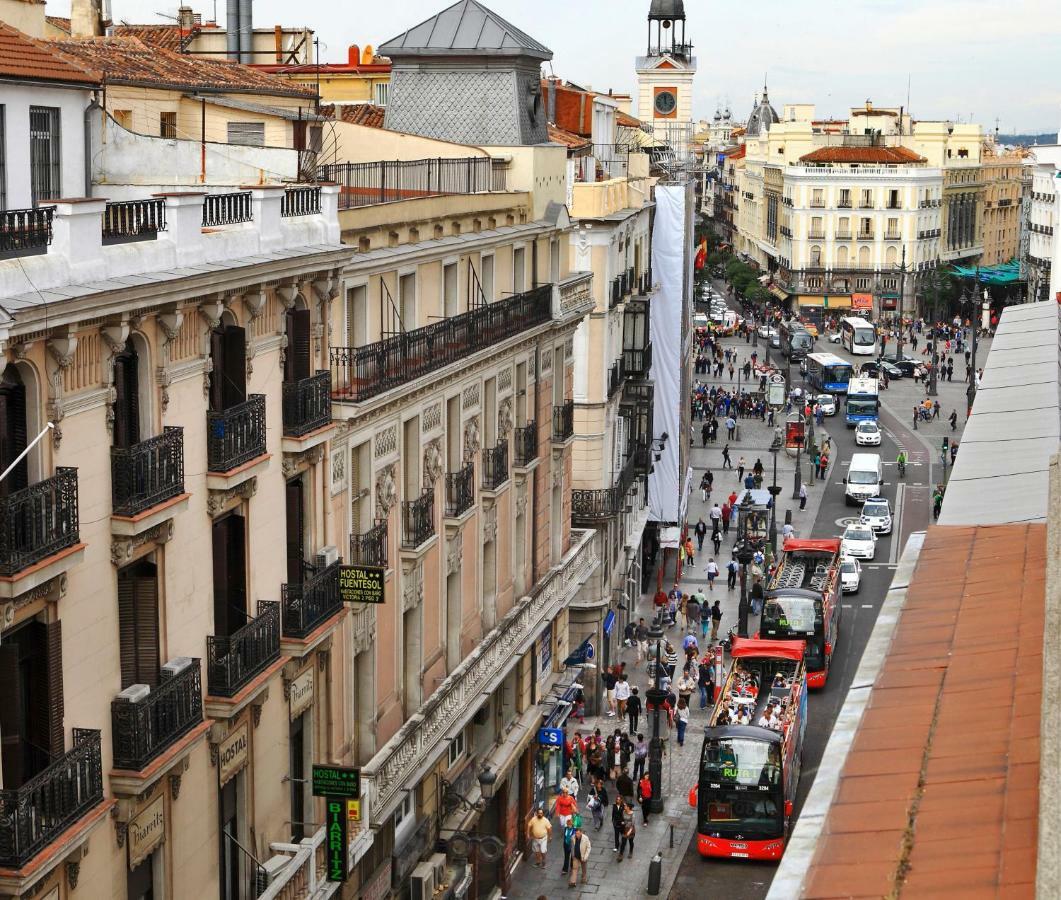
[655,875]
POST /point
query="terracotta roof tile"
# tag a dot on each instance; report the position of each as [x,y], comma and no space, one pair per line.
[880,155]
[166,36]
[24,57]
[366,114]
[625,120]
[127,60]
[60,22]
[569,140]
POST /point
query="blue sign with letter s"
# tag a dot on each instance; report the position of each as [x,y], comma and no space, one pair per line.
[551,737]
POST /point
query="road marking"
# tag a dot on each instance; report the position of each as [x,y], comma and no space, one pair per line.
[880,565]
[867,606]
[846,605]
[897,524]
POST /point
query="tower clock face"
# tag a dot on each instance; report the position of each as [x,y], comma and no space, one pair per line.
[665,103]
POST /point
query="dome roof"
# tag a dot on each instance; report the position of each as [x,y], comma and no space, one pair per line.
[718,116]
[762,117]
[667,9]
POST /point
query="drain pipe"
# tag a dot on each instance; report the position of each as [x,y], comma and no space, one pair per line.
[90,111]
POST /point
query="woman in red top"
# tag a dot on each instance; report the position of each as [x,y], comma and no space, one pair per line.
[566,806]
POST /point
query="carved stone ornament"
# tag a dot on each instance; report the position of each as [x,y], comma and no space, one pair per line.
[433,462]
[489,523]
[256,713]
[287,294]
[73,872]
[211,311]
[521,498]
[471,438]
[123,548]
[413,587]
[62,350]
[175,785]
[218,501]
[456,550]
[120,829]
[293,463]
[386,492]
[558,475]
[504,417]
[254,302]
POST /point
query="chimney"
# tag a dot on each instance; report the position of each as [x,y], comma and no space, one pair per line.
[86,19]
[353,55]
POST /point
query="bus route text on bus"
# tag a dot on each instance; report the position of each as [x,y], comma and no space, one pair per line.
[827,372]
[751,756]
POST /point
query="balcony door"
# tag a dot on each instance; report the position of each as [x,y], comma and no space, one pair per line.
[297,358]
[294,495]
[31,700]
[228,381]
[12,430]
[126,397]
[138,638]
[230,574]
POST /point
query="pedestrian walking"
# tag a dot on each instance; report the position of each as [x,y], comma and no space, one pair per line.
[726,462]
[622,695]
[705,681]
[641,635]
[539,829]
[609,680]
[566,807]
[712,574]
[701,532]
[705,486]
[617,820]
[803,496]
[726,512]
[598,799]
[716,619]
[681,717]
[626,844]
[731,574]
[644,794]
[633,709]
[716,541]
[740,469]
[690,553]
[569,783]
[580,851]
[953,419]
[705,432]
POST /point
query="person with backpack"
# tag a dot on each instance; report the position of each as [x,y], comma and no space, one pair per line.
[629,832]
[706,681]
[644,796]
[598,799]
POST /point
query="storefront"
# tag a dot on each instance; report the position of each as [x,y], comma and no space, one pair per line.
[817,308]
[550,763]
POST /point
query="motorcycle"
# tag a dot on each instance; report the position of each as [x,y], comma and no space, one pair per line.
[902,469]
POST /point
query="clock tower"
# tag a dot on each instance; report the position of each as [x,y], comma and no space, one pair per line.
[665,76]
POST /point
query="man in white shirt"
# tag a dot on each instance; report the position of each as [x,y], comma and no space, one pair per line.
[622,694]
[788,531]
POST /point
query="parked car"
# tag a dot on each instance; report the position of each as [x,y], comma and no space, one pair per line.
[867,434]
[875,367]
[905,364]
[850,575]
[877,514]
[859,541]
[828,404]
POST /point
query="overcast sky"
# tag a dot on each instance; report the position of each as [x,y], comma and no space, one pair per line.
[964,58]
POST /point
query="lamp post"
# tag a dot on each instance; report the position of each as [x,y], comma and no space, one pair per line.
[932,391]
[656,696]
[798,480]
[468,846]
[974,303]
[775,491]
[744,551]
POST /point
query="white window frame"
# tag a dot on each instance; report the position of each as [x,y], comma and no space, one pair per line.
[457,748]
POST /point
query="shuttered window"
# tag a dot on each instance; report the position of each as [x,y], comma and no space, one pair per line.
[228,381]
[248,134]
[12,430]
[297,359]
[230,575]
[138,623]
[31,700]
[44,154]
[3,157]
[295,530]
[126,398]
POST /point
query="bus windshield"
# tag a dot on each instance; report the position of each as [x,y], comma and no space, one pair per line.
[801,340]
[741,761]
[740,789]
[861,407]
[864,337]
[790,616]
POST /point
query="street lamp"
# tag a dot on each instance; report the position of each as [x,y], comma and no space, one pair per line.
[799,446]
[974,302]
[775,491]
[656,695]
[932,391]
[744,551]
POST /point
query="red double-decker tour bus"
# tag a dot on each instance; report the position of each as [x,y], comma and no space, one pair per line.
[802,602]
[752,753]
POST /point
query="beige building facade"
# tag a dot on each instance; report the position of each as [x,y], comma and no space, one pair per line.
[1003,174]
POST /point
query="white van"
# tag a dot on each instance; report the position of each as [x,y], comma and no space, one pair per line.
[865,478]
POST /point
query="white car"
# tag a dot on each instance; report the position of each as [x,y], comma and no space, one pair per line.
[877,514]
[850,575]
[764,331]
[858,540]
[867,434]
[828,404]
[834,338]
[701,321]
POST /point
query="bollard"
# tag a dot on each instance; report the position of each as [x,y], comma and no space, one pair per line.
[788,517]
[655,875]
[736,434]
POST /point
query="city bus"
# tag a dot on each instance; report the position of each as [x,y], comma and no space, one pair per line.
[863,403]
[858,336]
[827,372]
[802,602]
[796,341]
[749,766]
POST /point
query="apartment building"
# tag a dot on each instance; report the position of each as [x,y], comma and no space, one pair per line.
[1003,174]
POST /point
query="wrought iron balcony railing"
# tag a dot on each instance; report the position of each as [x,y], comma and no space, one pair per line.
[590,506]
[148,473]
[236,436]
[38,520]
[495,466]
[301,201]
[638,363]
[24,232]
[616,377]
[418,519]
[133,220]
[232,661]
[35,814]
[360,373]
[616,293]
[526,444]
[307,604]
[143,729]
[564,421]
[370,548]
[460,490]
[227,209]
[384,181]
[307,404]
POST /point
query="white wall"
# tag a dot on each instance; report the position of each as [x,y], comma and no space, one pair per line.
[16,100]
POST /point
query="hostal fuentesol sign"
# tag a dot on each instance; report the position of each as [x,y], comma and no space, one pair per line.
[361,584]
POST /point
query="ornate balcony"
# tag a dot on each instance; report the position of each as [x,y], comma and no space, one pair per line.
[564,422]
[234,661]
[526,444]
[616,377]
[35,814]
[307,605]
[370,548]
[143,729]
[25,232]
[126,221]
[495,466]
[593,506]
[638,363]
[418,519]
[361,373]
[460,491]
[307,404]
[38,521]
[236,436]
[148,473]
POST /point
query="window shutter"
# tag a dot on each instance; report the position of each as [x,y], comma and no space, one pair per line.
[297,360]
[230,601]
[53,639]
[217,377]
[295,548]
[127,400]
[12,431]
[11,715]
[44,717]
[234,387]
[127,626]
[138,624]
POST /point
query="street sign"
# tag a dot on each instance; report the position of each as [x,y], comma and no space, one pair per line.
[338,782]
[353,810]
[551,737]
[335,823]
[361,584]
[609,622]
[775,392]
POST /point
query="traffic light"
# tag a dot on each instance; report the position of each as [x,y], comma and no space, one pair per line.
[946,445]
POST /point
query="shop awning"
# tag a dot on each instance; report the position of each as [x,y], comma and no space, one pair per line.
[837,302]
[862,301]
[805,300]
[778,292]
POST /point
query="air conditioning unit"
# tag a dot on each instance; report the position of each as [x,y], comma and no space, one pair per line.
[422,885]
[175,666]
[135,693]
[438,860]
[329,554]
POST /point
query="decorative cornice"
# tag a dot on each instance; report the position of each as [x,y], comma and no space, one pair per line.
[218,501]
[123,548]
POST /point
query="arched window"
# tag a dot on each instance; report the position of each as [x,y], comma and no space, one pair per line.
[127,397]
[815,256]
[892,257]
[841,255]
[863,257]
[297,362]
